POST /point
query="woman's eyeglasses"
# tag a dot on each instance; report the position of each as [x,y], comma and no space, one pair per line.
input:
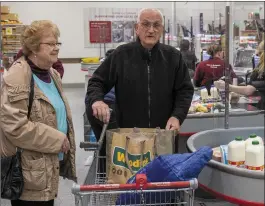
[53,45]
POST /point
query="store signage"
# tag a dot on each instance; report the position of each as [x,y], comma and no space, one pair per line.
[110,25]
[201,23]
[100,31]
[119,15]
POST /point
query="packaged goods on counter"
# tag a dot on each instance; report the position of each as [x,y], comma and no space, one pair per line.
[224,153]
[236,152]
[217,154]
[253,137]
[255,156]
[197,107]
[246,154]
[212,94]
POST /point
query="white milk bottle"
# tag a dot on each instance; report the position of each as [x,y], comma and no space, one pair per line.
[253,137]
[255,156]
[204,93]
[214,93]
[236,152]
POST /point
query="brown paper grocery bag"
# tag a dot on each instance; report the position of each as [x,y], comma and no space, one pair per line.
[128,155]
[140,150]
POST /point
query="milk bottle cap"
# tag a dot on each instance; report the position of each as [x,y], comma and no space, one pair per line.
[239,138]
[255,142]
[252,135]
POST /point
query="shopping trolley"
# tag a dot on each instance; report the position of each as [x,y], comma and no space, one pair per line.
[97,192]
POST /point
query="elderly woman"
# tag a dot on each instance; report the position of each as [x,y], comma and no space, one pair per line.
[47,136]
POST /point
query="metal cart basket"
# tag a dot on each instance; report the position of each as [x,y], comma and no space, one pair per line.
[96,191]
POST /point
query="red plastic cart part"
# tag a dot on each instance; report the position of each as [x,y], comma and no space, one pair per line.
[141,183]
[229,198]
[186,134]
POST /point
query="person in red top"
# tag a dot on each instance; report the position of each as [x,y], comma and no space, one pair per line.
[213,69]
[58,66]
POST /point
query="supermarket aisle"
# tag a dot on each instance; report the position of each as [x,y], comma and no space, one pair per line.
[76,100]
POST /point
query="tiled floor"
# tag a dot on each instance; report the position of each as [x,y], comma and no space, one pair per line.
[76,100]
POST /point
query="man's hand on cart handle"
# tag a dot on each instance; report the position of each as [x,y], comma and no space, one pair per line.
[101,111]
[173,124]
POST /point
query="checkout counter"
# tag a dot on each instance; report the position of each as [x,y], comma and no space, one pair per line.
[244,113]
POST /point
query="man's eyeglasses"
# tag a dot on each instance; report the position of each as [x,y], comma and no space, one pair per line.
[147,25]
[53,45]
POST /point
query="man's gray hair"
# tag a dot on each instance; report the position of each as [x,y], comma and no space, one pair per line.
[149,9]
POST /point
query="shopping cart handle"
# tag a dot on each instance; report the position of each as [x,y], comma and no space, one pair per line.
[141,183]
[89,145]
[92,146]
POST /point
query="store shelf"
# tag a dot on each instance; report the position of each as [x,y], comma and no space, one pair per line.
[11,52]
[11,30]
[6,35]
[11,25]
[7,42]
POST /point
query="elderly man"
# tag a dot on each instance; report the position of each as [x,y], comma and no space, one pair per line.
[152,83]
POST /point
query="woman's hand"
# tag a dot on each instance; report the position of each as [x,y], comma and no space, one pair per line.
[220,84]
[66,145]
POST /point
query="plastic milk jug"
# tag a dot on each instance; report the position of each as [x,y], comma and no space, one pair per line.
[236,152]
[253,137]
[214,93]
[204,93]
[255,156]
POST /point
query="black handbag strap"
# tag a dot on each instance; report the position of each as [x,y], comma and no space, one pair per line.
[31,95]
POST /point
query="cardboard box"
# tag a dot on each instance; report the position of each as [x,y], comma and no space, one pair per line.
[19,29]
[13,17]
[9,17]
[4,17]
[5,10]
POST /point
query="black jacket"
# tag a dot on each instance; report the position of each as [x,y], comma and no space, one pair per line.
[190,59]
[168,85]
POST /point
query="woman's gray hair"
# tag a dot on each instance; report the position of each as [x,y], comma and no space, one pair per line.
[32,34]
[150,9]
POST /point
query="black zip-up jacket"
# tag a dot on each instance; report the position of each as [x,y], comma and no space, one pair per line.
[150,87]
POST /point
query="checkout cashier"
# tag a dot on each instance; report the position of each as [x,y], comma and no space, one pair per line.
[257,81]
[213,69]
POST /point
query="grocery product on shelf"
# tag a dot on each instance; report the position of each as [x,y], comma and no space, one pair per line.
[7,17]
[253,137]
[11,30]
[255,156]
[236,152]
[5,10]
